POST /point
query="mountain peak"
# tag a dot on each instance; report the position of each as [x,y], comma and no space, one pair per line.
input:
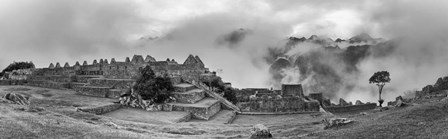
[363,37]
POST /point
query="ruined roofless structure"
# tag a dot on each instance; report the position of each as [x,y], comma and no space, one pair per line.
[127,69]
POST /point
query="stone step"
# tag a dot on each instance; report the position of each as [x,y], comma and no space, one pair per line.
[76,84]
[203,109]
[183,87]
[85,78]
[93,91]
[222,117]
[191,96]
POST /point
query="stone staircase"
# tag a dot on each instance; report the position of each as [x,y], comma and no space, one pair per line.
[193,100]
[227,104]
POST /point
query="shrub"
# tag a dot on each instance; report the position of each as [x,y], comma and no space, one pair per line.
[215,83]
[151,87]
[230,95]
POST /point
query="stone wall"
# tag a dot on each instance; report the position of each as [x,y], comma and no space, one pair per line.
[54,78]
[112,83]
[287,104]
[127,69]
[350,108]
[101,109]
[292,90]
[13,82]
[20,74]
[122,70]
[201,112]
[48,84]
[243,95]
[85,78]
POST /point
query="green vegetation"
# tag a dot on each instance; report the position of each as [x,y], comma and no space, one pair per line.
[230,95]
[380,78]
[217,85]
[151,87]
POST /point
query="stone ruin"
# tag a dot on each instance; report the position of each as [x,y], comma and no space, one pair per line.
[288,100]
[436,90]
[112,80]
[343,105]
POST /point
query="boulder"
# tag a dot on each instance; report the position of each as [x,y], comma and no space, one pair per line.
[399,103]
[17,98]
[399,98]
[336,122]
[260,131]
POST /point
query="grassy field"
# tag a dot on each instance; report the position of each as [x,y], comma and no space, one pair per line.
[52,114]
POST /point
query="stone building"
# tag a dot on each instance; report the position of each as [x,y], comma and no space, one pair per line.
[290,99]
[56,76]
[292,90]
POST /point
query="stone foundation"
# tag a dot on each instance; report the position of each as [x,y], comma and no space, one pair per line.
[13,82]
[113,83]
[289,104]
[203,109]
[184,87]
[191,96]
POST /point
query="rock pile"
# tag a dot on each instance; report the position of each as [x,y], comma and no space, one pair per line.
[260,131]
[399,102]
[132,99]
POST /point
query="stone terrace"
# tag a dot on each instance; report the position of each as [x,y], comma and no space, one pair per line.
[194,101]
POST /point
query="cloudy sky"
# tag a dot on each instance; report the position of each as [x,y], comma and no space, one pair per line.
[50,31]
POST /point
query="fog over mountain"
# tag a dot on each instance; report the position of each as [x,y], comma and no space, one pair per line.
[408,38]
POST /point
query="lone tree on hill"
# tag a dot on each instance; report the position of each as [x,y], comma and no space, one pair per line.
[152,87]
[380,78]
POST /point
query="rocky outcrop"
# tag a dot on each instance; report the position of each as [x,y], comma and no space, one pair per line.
[335,122]
[260,131]
[17,98]
[441,84]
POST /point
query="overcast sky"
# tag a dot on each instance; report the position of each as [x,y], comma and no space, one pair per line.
[50,31]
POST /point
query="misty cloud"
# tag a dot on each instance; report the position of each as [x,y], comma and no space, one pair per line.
[234,38]
[53,29]
[59,31]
